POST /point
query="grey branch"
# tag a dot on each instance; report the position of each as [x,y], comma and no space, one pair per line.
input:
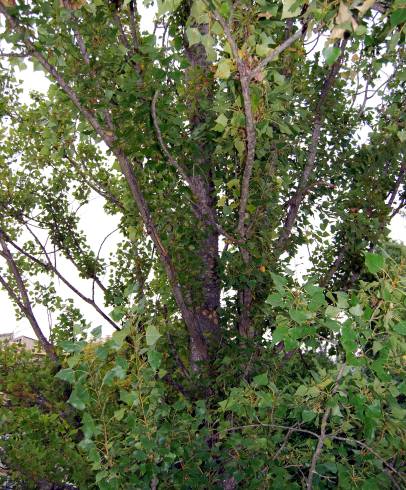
[49,266]
[198,348]
[23,299]
[298,196]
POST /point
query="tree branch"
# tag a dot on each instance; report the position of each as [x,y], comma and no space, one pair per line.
[103,192]
[323,435]
[24,301]
[297,198]
[134,25]
[202,211]
[277,51]
[49,266]
[198,344]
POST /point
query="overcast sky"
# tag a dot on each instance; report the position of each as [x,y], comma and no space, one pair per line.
[97,225]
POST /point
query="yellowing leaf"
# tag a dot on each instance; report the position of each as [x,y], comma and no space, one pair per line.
[344,14]
[193,36]
[262,50]
[291,8]
[152,335]
[363,9]
[224,69]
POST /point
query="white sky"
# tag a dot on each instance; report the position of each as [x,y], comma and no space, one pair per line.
[97,225]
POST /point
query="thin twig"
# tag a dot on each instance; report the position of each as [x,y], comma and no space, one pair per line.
[323,435]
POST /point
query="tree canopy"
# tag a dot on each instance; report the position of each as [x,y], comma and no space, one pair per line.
[226,141]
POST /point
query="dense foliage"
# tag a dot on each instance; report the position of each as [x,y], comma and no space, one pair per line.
[226,142]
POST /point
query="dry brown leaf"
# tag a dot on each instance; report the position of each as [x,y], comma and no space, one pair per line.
[72,4]
[265,15]
[363,9]
[344,14]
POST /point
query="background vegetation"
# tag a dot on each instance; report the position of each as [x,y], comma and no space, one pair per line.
[224,143]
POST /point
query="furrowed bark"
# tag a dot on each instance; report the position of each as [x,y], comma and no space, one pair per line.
[203,189]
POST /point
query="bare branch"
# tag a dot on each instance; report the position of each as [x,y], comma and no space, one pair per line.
[397,185]
[87,180]
[79,39]
[390,467]
[246,75]
[121,33]
[134,24]
[179,167]
[14,55]
[334,268]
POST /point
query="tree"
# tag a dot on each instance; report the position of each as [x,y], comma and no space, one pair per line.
[224,142]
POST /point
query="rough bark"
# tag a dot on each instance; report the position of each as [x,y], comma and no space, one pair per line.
[204,190]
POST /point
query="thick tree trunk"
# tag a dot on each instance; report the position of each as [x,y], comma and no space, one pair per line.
[207,310]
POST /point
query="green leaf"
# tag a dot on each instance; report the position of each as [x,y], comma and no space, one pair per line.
[275,299]
[336,412]
[129,397]
[401,136]
[261,379]
[72,347]
[118,338]
[265,400]
[374,262]
[298,316]
[154,359]
[331,54]
[193,36]
[342,300]
[301,391]
[308,415]
[97,332]
[262,50]
[400,328]
[240,147]
[332,311]
[398,17]
[79,397]
[279,281]
[356,310]
[291,8]
[118,313]
[280,333]
[199,12]
[67,375]
[89,426]
[152,335]
[222,121]
[117,372]
[224,69]
[165,6]
[119,414]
